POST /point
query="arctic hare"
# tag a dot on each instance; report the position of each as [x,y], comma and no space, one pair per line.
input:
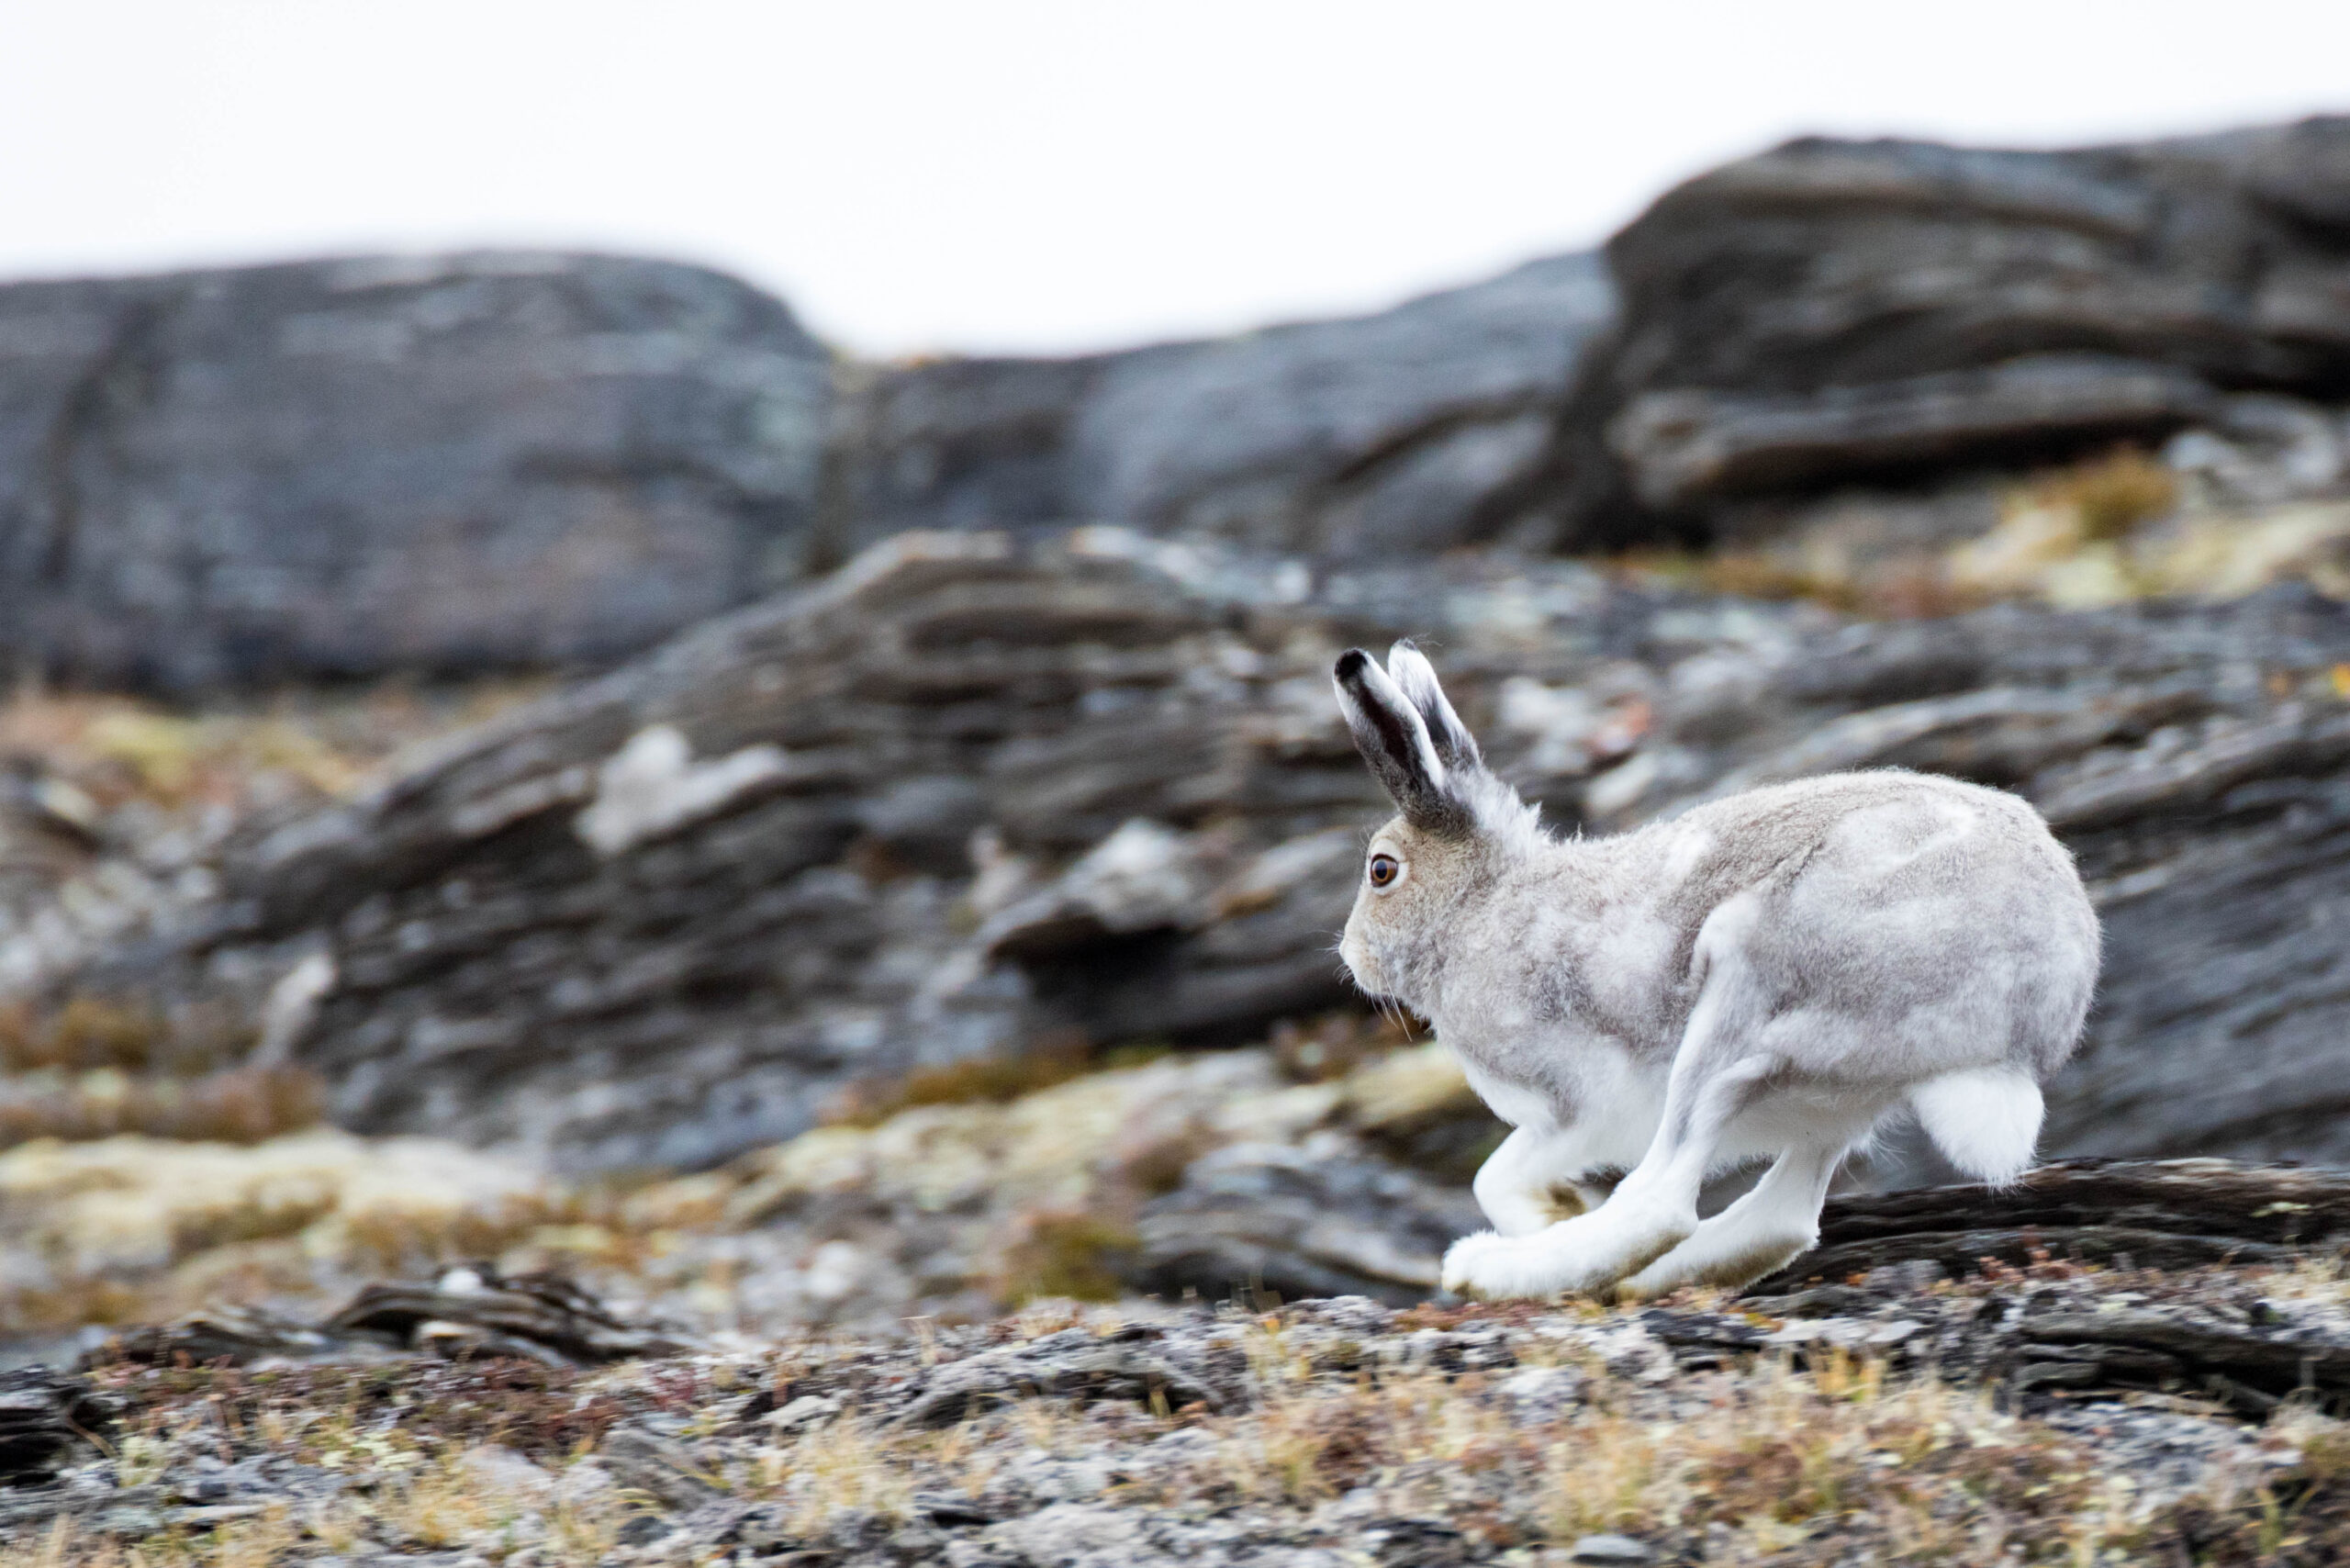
[1769,975]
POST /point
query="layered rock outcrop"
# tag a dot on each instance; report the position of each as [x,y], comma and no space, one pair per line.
[974,796]
[1836,312]
[1379,436]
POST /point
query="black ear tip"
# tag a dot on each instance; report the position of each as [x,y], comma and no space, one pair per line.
[1351,663]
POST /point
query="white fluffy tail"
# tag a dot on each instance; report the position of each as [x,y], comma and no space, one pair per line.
[1985,1120]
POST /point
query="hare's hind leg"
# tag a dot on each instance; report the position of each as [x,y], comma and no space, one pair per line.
[1771,1226]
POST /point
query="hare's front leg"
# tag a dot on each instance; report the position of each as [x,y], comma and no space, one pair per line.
[1534,1179]
[1652,1210]
[1715,1075]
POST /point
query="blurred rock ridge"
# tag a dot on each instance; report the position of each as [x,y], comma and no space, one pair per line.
[1827,355]
[979,795]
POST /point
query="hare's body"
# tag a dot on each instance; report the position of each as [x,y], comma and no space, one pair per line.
[1767,976]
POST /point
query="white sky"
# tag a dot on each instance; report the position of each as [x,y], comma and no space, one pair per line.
[1012,174]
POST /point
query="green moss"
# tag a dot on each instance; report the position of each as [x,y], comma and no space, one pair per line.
[991,1081]
[1081,1257]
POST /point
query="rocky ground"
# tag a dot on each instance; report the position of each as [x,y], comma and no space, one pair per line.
[1903,1417]
[807,1355]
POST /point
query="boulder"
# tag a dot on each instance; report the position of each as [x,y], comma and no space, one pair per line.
[1390,435]
[434,464]
[1316,1219]
[49,1419]
[2150,1214]
[1833,311]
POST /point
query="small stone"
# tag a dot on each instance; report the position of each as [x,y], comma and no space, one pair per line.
[805,1411]
[1609,1549]
[643,1530]
[1911,1277]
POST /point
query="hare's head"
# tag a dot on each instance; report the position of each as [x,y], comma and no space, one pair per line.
[1456,826]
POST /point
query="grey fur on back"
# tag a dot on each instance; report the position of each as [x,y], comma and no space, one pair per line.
[1880,893]
[1770,974]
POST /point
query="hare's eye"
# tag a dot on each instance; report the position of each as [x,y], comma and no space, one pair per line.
[1384,869]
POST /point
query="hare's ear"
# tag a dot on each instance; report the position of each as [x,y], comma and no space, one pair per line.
[1394,740]
[1416,677]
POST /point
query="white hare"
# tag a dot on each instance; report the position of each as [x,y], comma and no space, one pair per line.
[1767,976]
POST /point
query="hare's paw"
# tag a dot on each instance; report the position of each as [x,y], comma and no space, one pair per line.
[1717,1254]
[1587,1255]
[1491,1267]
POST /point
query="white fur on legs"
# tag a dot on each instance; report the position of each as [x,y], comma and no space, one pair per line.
[1985,1120]
[1583,1255]
[1653,1210]
[1775,1223]
[1522,1183]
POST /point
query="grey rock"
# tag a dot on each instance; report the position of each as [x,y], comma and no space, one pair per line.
[1396,433]
[469,1313]
[1687,445]
[234,1335]
[48,1419]
[1608,1549]
[345,467]
[660,1466]
[1832,310]
[2168,1214]
[1139,1365]
[1382,435]
[1254,1220]
[953,444]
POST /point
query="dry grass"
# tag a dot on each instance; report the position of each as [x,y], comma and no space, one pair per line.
[1901,589]
[1781,1465]
[2108,495]
[1075,1256]
[846,1467]
[1835,1461]
[979,1080]
[97,1067]
[1835,1464]
[87,1034]
[2111,528]
[135,1227]
[240,1105]
[99,1228]
[274,750]
[2115,529]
